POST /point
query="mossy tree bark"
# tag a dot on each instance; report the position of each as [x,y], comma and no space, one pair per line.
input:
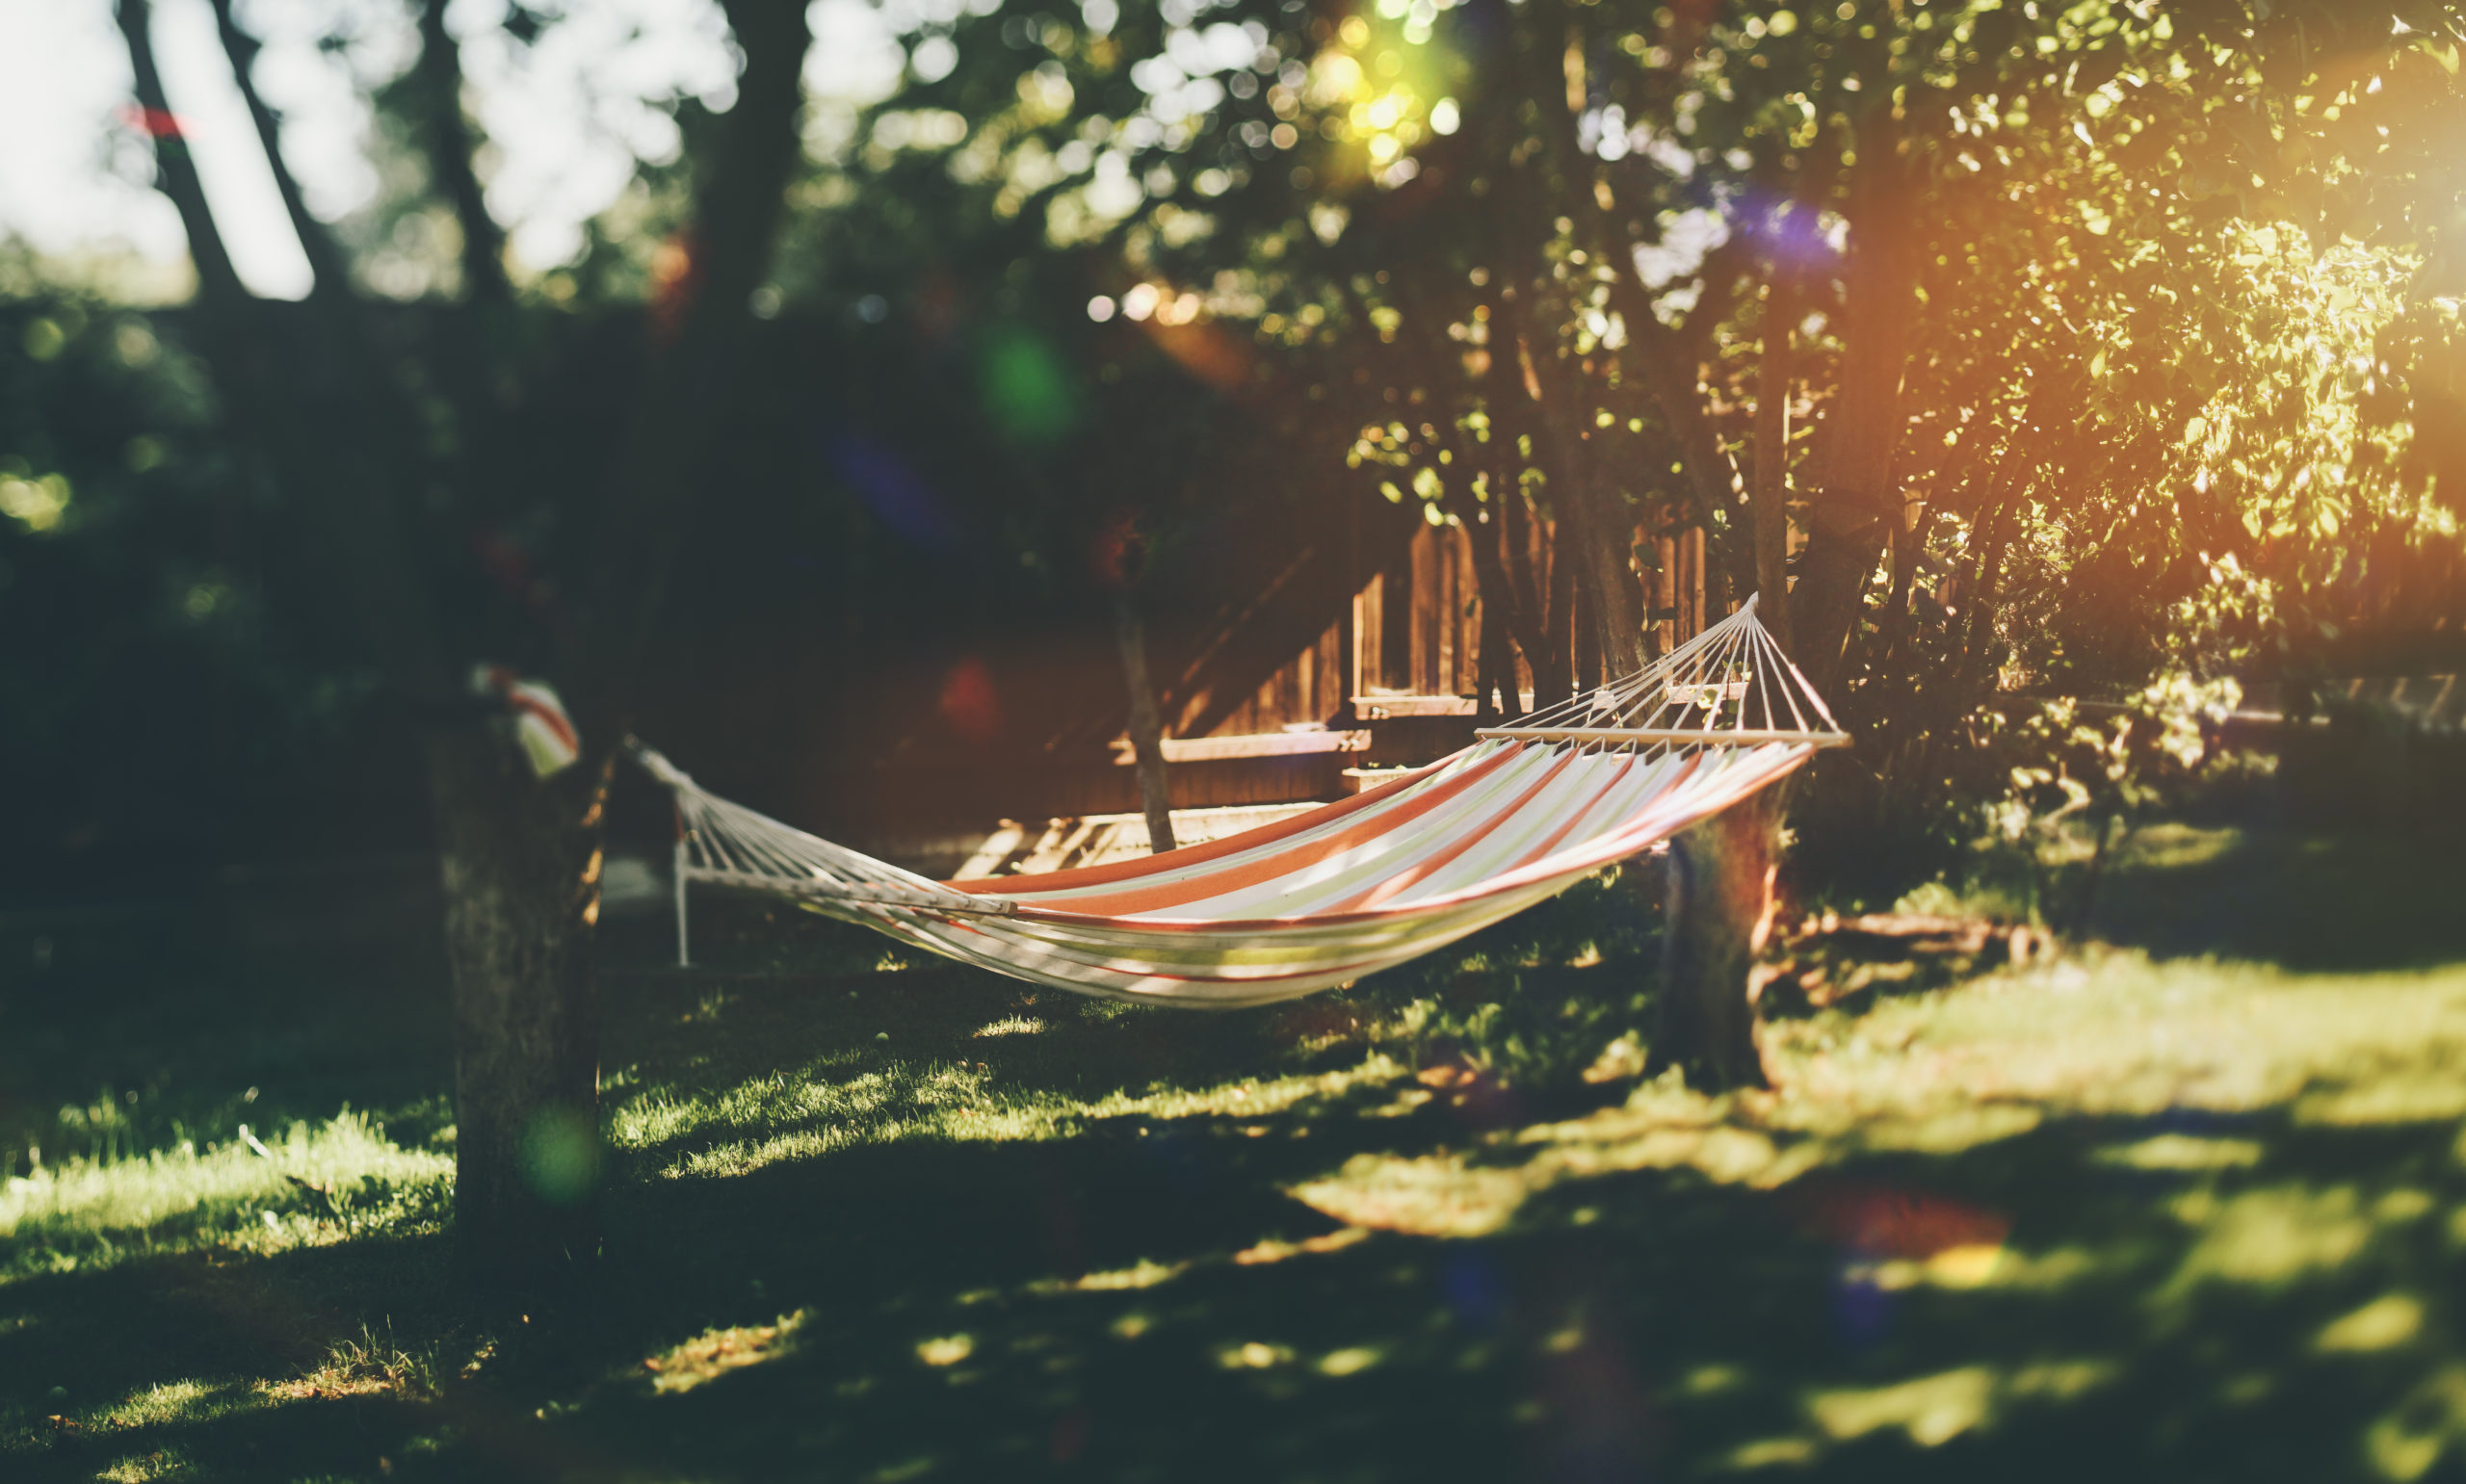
[1719,914]
[520,862]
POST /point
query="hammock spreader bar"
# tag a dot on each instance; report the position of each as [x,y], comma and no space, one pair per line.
[1342,891]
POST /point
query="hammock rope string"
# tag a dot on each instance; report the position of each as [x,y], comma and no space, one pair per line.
[1346,890]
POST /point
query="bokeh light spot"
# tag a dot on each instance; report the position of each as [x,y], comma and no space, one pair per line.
[560,1156]
[1027,392]
[968,702]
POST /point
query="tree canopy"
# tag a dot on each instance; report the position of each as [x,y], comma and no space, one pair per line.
[2100,340]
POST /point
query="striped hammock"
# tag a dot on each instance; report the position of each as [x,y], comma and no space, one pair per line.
[1327,896]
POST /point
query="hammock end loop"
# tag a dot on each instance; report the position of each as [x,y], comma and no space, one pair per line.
[667,774]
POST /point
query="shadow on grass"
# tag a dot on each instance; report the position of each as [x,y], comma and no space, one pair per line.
[2238,1303]
[2323,902]
[831,1257]
[1086,1308]
[2193,1295]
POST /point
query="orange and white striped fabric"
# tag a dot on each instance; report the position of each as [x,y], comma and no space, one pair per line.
[1344,890]
[541,725]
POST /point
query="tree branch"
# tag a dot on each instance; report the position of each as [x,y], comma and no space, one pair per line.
[447,138]
[218,288]
[692,381]
[330,274]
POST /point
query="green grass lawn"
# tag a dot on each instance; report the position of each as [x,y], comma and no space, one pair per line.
[2186,1202]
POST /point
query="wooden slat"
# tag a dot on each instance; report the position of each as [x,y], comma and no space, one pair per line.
[1464,612]
[1265,745]
[1396,622]
[1369,635]
[1380,708]
[1332,690]
[1424,620]
[1696,619]
[1666,592]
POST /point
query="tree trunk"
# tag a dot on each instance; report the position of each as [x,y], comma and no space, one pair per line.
[1859,502]
[1591,517]
[1528,559]
[1541,598]
[1559,638]
[1505,615]
[327,272]
[1146,727]
[1772,514]
[470,361]
[1719,914]
[1908,546]
[1975,660]
[692,384]
[1487,707]
[1587,627]
[1720,873]
[1617,600]
[520,859]
[363,468]
[522,856]
[218,284]
[438,73]
[1667,363]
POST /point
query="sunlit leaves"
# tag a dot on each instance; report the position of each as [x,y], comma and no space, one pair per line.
[2161,270]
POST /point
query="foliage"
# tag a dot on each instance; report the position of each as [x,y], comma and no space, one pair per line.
[134,539]
[2163,291]
[2174,281]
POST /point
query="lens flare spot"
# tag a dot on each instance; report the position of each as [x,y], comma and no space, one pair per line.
[968,702]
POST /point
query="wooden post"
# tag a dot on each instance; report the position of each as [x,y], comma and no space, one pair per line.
[684,957]
[1348,623]
[1665,593]
[1146,730]
[1698,619]
[1369,635]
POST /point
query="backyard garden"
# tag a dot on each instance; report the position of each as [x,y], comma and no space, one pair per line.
[1542,739]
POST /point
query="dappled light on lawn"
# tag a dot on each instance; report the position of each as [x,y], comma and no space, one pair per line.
[1990,1224]
[2115,1046]
[708,1356]
[305,1185]
[1995,1063]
